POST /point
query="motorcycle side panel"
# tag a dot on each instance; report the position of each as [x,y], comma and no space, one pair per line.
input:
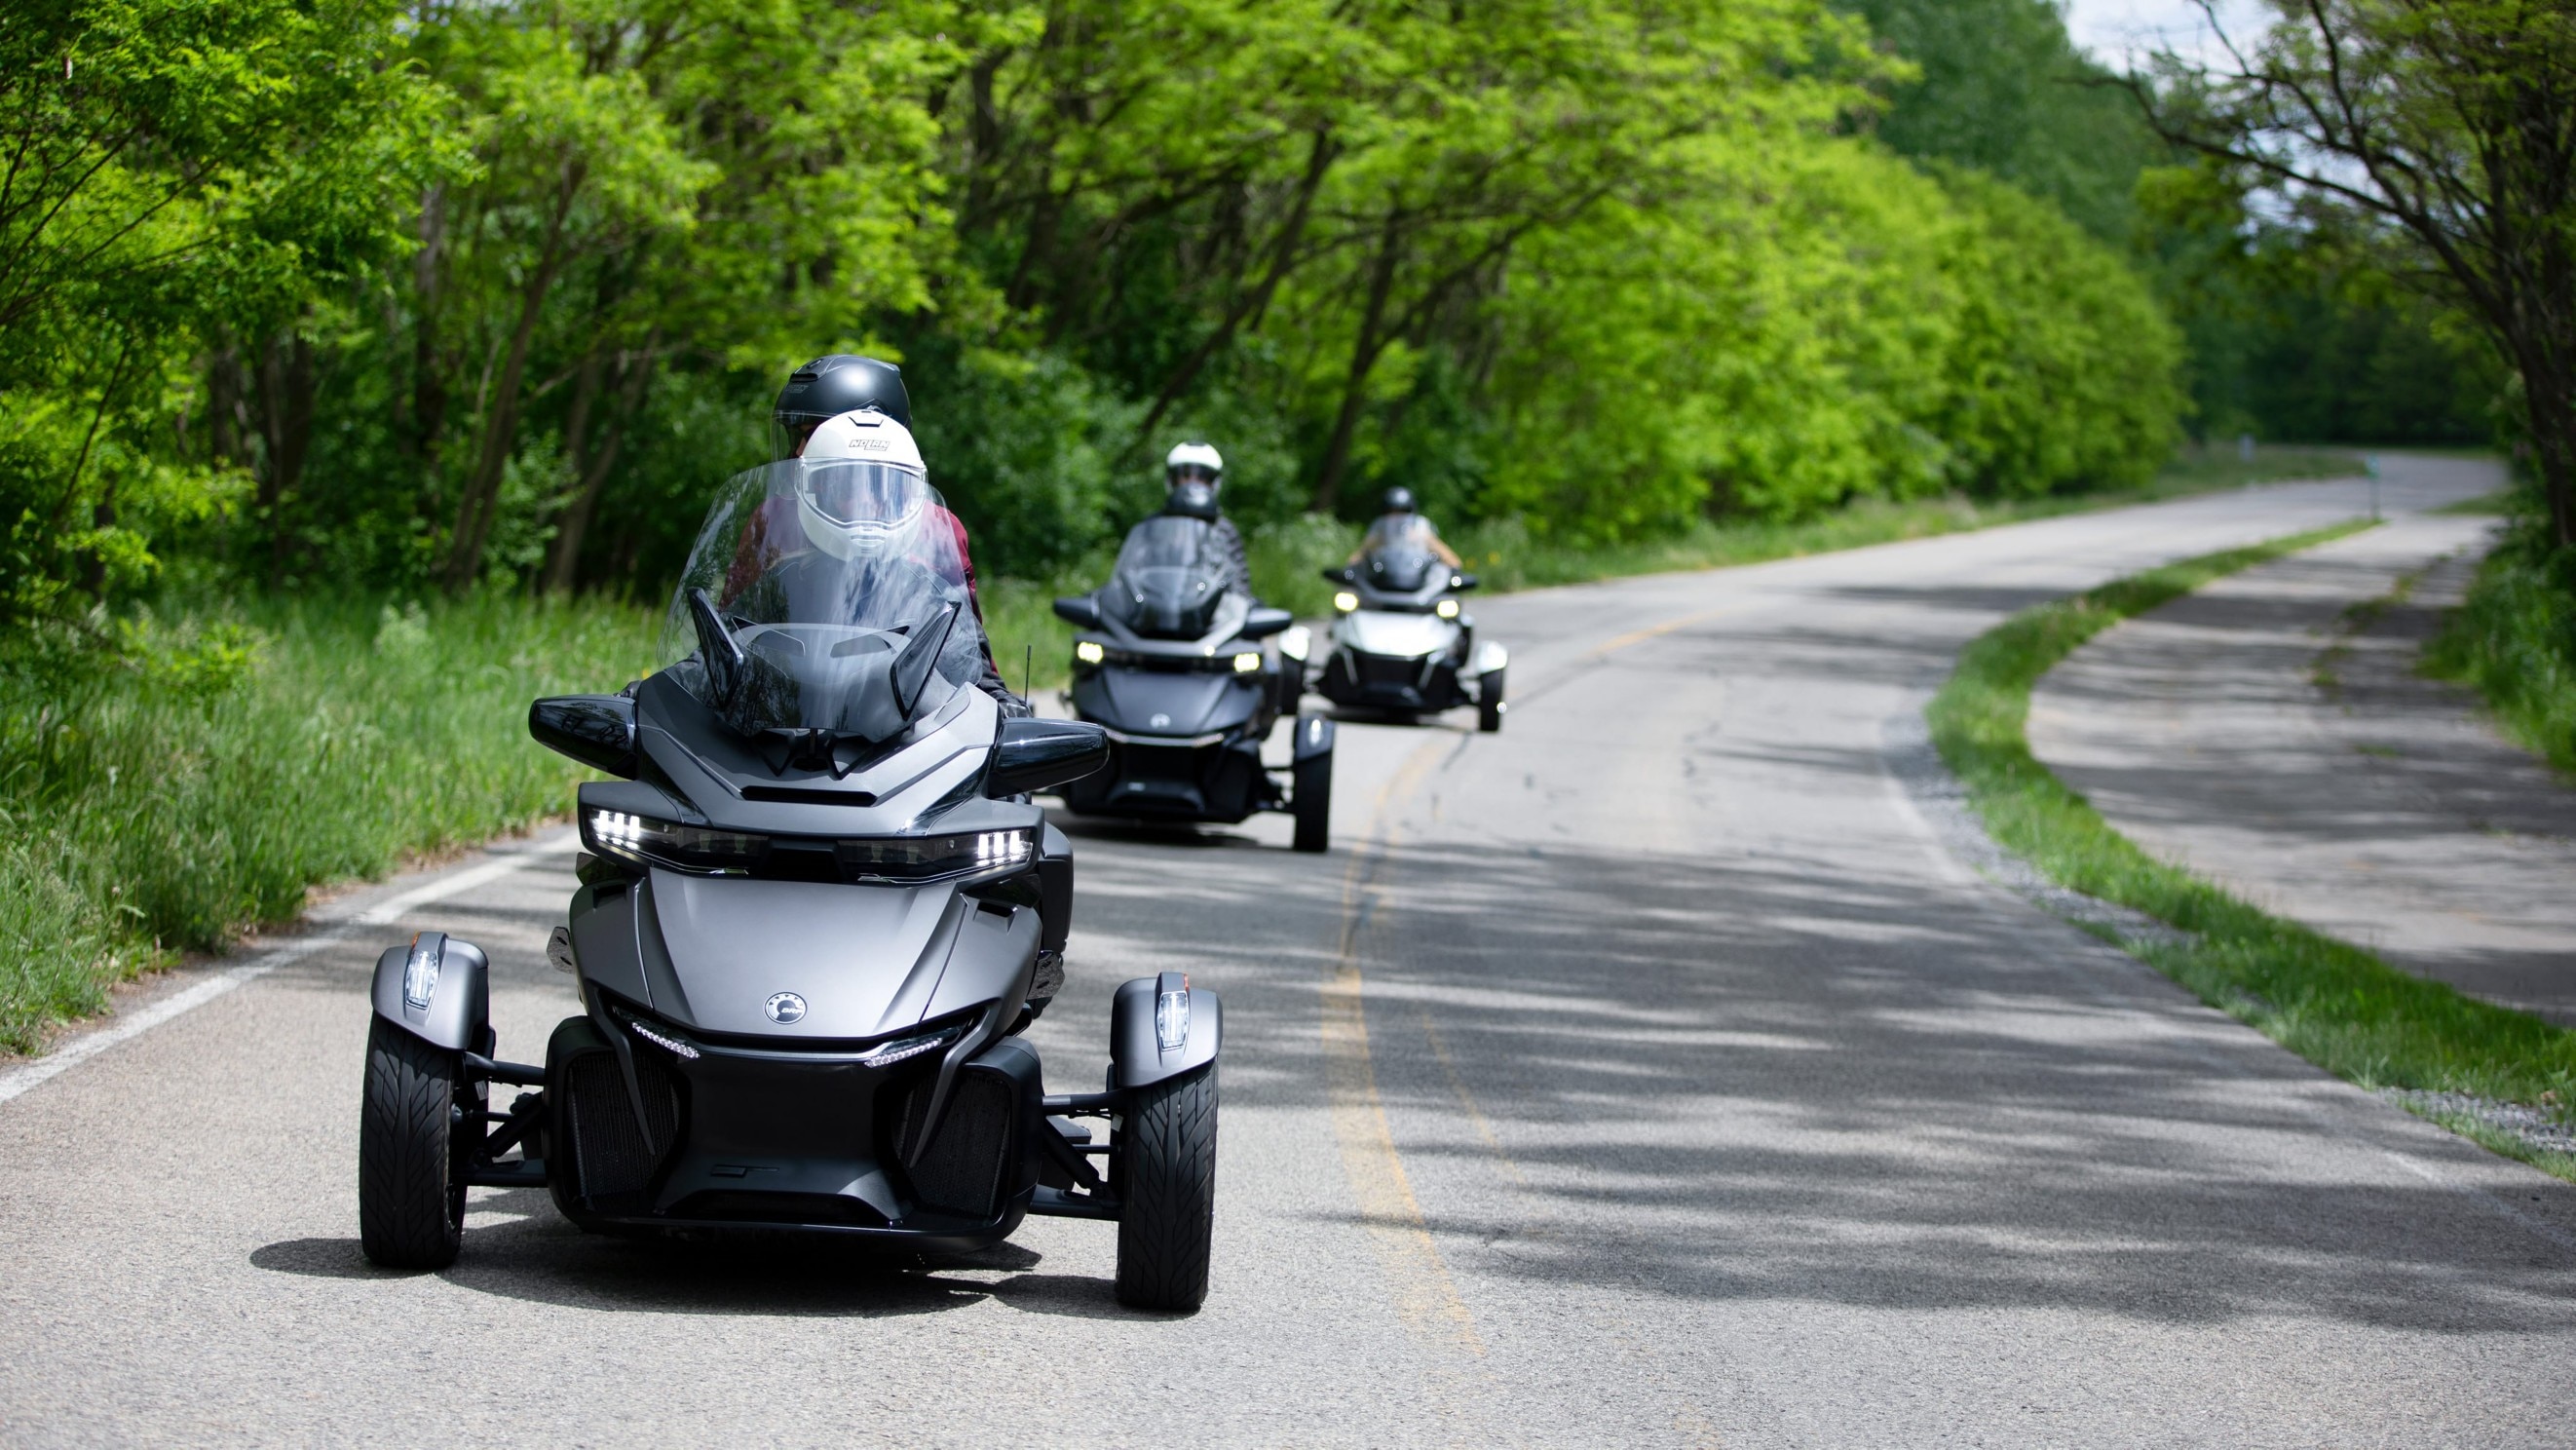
[459,1002]
[865,959]
[992,959]
[604,939]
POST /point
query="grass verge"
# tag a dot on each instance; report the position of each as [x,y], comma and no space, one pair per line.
[200,779]
[2333,1003]
[2513,638]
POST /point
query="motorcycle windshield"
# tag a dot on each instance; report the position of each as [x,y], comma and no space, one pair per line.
[839,588]
[1168,579]
[1402,567]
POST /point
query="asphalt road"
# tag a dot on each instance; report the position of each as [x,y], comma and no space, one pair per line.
[1646,1074]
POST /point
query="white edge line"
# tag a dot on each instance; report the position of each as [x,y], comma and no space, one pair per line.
[18,1081]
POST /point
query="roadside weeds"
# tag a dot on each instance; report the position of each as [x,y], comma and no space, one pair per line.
[2484,1071]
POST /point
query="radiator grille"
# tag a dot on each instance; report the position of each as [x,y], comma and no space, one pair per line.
[962,1171]
[1380,670]
[610,1148]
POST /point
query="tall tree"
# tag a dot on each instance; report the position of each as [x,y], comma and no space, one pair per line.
[2449,125]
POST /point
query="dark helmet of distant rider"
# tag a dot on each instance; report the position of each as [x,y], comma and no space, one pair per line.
[1194,462]
[829,387]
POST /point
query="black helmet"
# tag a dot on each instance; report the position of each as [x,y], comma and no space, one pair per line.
[1399,500]
[1192,500]
[826,388]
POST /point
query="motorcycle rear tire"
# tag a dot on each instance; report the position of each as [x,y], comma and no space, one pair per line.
[1489,702]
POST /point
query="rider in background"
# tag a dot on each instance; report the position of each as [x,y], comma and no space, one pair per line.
[1403,523]
[1192,474]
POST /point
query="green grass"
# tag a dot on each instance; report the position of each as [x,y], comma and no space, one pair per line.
[2333,1003]
[2513,639]
[202,779]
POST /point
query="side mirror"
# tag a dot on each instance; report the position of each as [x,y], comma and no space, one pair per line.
[597,730]
[1264,621]
[1082,611]
[1033,755]
[1343,574]
[717,647]
[1462,581]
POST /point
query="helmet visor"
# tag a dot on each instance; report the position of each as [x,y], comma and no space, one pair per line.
[1182,473]
[857,492]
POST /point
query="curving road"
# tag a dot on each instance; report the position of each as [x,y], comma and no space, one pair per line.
[1646,1074]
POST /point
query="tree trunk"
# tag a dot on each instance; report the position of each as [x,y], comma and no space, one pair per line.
[428,408]
[1364,354]
[564,562]
[286,424]
[501,416]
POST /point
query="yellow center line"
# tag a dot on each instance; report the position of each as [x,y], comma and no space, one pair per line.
[1427,1298]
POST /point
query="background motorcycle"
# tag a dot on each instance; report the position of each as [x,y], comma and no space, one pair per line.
[1170,662]
[1400,643]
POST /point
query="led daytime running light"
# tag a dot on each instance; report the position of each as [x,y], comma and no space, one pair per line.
[1446,609]
[1346,601]
[672,1045]
[1245,664]
[1089,651]
[910,1047]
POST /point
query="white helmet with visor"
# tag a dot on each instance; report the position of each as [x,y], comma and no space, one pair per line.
[860,481]
[1193,463]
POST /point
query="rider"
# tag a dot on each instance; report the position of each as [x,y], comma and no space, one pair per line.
[1403,523]
[1192,474]
[846,406]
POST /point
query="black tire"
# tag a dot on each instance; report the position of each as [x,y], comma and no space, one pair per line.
[411,1196]
[1167,1195]
[1489,702]
[1292,685]
[1310,801]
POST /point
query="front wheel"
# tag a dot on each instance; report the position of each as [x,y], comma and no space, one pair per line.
[411,1198]
[1489,701]
[1310,801]
[1167,1194]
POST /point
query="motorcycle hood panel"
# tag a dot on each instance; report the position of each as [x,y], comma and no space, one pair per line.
[1397,636]
[725,777]
[862,960]
[1166,702]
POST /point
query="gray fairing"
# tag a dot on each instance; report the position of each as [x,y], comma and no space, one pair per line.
[1190,703]
[459,1002]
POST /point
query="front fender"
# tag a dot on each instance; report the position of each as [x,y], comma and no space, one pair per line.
[438,989]
[1137,1054]
[1314,737]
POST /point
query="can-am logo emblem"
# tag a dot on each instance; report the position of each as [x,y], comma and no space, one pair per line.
[785,1008]
[1160,722]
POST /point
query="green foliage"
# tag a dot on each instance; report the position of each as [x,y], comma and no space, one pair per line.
[2514,637]
[2336,1004]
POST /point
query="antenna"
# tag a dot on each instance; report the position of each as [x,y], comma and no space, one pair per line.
[1028,669]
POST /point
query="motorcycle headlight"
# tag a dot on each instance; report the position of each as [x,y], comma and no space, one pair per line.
[931,858]
[1245,664]
[1346,601]
[644,841]
[1446,609]
[1089,652]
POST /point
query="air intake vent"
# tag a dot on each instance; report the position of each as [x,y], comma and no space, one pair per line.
[612,1151]
[962,1171]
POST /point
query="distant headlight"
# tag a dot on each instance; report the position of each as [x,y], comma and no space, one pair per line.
[1446,609]
[929,858]
[644,841]
[1295,641]
[1089,652]
[1346,601]
[1245,664]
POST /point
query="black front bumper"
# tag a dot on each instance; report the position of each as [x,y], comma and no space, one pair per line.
[752,1139]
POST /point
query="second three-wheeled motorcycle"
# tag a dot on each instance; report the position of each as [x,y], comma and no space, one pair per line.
[1171,661]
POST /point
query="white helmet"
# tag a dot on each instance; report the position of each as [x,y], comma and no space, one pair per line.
[1193,463]
[859,480]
